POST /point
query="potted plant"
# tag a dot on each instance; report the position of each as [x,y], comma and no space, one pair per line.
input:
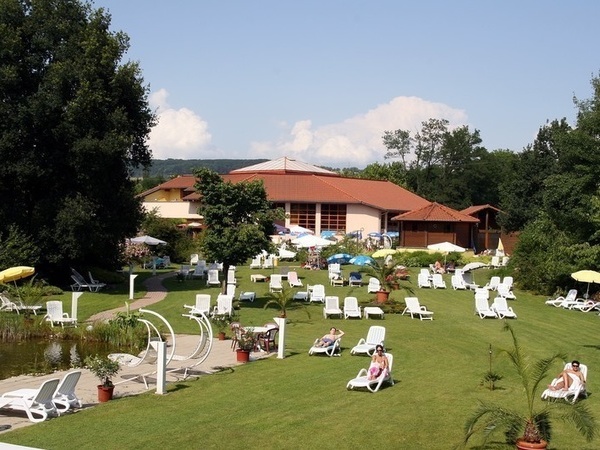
[385,272]
[221,322]
[529,428]
[104,369]
[246,343]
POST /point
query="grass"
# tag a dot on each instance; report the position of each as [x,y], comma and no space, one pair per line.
[302,401]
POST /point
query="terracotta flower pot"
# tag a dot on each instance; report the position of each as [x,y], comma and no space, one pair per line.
[242,355]
[221,335]
[105,393]
[522,445]
[382,296]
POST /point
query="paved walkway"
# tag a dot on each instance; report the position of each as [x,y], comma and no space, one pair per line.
[221,356]
[155,293]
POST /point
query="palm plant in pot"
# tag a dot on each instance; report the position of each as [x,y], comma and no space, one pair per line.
[529,428]
[386,273]
[104,369]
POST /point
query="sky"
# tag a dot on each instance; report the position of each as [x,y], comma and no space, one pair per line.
[320,81]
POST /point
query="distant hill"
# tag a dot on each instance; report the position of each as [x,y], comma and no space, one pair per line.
[167,168]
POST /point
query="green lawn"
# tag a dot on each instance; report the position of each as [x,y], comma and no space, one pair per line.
[302,401]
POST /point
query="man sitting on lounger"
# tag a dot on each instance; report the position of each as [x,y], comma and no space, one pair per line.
[330,338]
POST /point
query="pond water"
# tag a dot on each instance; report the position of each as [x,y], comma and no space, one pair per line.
[43,356]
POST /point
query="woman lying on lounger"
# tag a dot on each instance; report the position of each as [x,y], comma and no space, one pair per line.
[330,338]
[379,363]
[568,376]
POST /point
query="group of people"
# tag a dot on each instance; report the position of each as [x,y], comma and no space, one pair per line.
[379,362]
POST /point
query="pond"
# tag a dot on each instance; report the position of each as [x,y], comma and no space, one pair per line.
[43,356]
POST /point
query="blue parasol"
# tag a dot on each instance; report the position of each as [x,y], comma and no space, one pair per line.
[362,260]
[339,258]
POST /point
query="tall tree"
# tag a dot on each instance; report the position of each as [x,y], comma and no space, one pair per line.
[238,217]
[73,122]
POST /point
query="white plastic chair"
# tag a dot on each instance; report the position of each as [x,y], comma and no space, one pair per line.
[202,305]
[318,293]
[37,404]
[212,278]
[224,305]
[504,291]
[275,283]
[373,286]
[500,307]
[351,308]
[362,378]
[375,336]
[332,307]
[55,314]
[575,390]
[482,308]
[493,283]
[331,350]
[458,282]
[438,281]
[293,280]
[415,309]
[561,301]
[423,280]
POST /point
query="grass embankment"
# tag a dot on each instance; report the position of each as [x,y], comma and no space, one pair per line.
[302,401]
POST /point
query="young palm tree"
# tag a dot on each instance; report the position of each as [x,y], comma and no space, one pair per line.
[283,300]
[534,424]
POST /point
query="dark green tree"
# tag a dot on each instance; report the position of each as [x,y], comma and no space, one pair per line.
[238,217]
[73,122]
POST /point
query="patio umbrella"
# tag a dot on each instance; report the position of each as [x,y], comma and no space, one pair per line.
[310,240]
[16,273]
[445,248]
[149,240]
[382,253]
[340,258]
[473,266]
[280,229]
[585,276]
[362,260]
[297,229]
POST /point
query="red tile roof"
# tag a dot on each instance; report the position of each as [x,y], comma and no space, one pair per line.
[476,208]
[435,212]
[314,188]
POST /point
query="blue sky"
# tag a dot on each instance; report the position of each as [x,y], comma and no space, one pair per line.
[320,81]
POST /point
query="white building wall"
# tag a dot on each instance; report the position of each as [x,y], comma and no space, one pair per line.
[362,216]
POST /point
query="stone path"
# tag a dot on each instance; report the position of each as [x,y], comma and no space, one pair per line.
[155,293]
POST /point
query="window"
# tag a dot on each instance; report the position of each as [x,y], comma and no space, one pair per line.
[333,217]
[303,214]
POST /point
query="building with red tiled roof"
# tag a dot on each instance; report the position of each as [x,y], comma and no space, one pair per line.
[434,223]
[312,197]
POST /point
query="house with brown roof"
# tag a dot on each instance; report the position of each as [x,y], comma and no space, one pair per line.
[489,232]
[435,223]
[312,197]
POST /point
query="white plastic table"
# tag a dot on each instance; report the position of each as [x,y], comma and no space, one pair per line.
[372,310]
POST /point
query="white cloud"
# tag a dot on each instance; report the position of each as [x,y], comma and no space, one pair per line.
[356,141]
[179,133]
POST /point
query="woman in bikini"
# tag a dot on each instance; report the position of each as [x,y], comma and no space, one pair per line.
[568,376]
[330,338]
[379,363]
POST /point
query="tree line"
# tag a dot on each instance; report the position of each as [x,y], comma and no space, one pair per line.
[74,124]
